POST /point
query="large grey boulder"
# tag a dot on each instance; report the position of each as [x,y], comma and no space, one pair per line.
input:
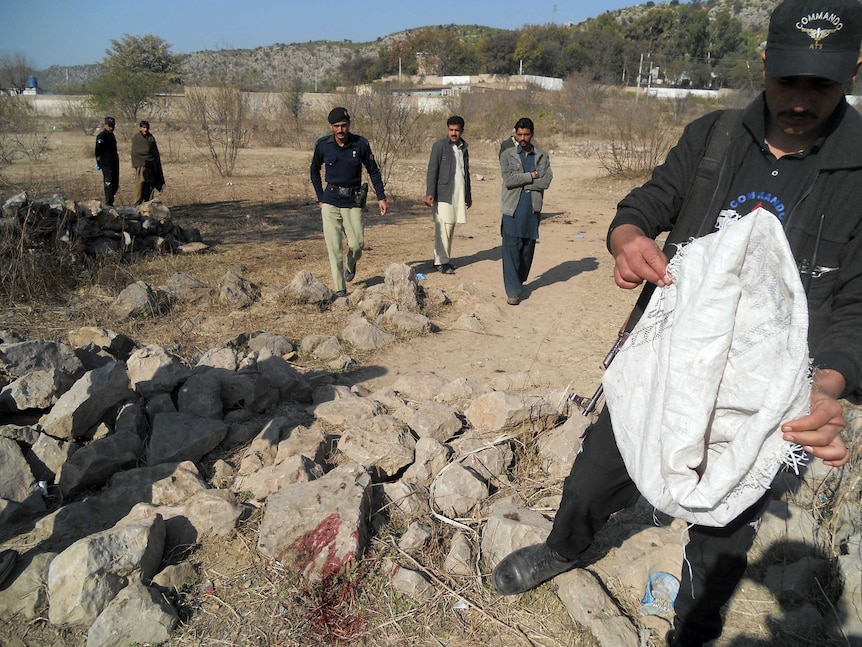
[16,480]
[139,300]
[291,384]
[36,390]
[47,455]
[86,403]
[24,592]
[237,291]
[344,411]
[153,369]
[430,419]
[20,358]
[365,335]
[117,344]
[402,286]
[270,479]
[85,577]
[456,490]
[93,464]
[558,447]
[305,288]
[200,395]
[430,458]
[500,413]
[207,513]
[589,604]
[419,387]
[318,529]
[382,443]
[139,615]
[180,437]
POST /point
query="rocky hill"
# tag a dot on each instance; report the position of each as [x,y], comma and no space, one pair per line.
[273,66]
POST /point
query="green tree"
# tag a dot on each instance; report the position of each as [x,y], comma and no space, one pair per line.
[550,50]
[497,53]
[137,69]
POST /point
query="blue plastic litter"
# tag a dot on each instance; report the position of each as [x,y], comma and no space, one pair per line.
[420,276]
[579,236]
[661,591]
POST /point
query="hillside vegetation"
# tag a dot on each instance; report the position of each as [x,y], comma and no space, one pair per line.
[697,44]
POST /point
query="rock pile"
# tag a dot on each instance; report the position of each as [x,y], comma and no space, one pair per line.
[89,227]
[117,454]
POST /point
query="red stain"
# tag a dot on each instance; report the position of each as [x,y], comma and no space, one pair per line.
[306,550]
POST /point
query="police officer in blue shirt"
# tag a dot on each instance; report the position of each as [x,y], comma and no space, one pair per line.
[344,154]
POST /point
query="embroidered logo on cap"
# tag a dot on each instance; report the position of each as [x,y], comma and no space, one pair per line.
[817,34]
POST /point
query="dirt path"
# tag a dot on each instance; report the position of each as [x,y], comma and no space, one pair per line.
[570,310]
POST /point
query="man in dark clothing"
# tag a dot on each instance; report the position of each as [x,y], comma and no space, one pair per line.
[108,159]
[147,164]
[344,155]
[795,151]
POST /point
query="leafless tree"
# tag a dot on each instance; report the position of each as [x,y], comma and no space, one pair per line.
[220,115]
[15,68]
[389,123]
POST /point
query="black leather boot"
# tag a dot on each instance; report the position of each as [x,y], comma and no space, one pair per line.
[528,567]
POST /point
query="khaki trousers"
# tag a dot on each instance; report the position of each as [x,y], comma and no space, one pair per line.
[349,221]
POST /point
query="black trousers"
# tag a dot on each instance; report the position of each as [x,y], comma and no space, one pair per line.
[111,178]
[599,485]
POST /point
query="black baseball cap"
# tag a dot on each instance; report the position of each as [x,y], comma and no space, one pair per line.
[110,121]
[814,39]
[337,115]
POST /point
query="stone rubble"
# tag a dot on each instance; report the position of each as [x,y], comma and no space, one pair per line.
[121,435]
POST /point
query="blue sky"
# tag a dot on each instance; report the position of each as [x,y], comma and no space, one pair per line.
[76,32]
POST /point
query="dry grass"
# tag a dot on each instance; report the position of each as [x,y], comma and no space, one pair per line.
[265,220]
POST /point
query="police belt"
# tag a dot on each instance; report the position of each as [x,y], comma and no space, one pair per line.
[342,191]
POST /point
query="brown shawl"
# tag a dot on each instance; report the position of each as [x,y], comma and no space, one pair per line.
[145,153]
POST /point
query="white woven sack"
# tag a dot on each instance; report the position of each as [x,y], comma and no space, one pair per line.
[716,364]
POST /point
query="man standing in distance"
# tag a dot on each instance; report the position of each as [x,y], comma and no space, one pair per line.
[147,164]
[795,149]
[448,190]
[344,155]
[108,159]
[526,173]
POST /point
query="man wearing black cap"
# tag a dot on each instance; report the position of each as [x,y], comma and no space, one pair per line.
[344,155]
[108,159]
[795,151]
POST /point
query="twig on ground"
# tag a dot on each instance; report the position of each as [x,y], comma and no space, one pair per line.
[484,612]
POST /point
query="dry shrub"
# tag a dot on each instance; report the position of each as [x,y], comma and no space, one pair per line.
[638,142]
[390,124]
[219,117]
[29,270]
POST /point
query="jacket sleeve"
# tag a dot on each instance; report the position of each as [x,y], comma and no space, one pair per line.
[433,170]
[545,175]
[837,344]
[314,171]
[372,168]
[512,170]
[468,191]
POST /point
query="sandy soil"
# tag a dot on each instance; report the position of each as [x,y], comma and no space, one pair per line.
[264,221]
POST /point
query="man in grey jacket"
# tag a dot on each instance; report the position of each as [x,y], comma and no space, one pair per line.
[448,190]
[526,173]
